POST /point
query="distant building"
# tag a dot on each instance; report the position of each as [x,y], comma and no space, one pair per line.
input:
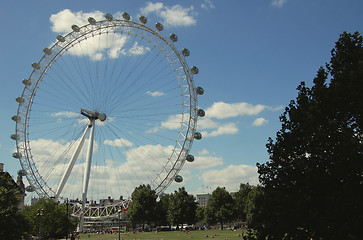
[19,185]
[203,199]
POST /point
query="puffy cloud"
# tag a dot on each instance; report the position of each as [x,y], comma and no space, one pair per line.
[63,20]
[99,47]
[66,114]
[155,94]
[172,123]
[231,176]
[152,7]
[175,16]
[225,129]
[222,110]
[278,3]
[207,4]
[203,152]
[259,122]
[121,142]
[205,161]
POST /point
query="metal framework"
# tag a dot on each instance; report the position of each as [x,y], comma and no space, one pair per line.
[180,152]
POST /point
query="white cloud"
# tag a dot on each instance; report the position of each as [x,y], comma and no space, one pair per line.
[121,142]
[98,47]
[203,152]
[222,110]
[207,5]
[207,123]
[278,3]
[231,176]
[260,122]
[155,94]
[65,114]
[136,50]
[125,170]
[152,7]
[172,16]
[225,129]
[204,162]
[172,123]
[63,20]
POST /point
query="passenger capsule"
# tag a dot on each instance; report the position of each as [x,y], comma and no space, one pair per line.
[108,16]
[143,19]
[75,28]
[36,66]
[194,70]
[159,26]
[17,155]
[19,100]
[26,82]
[199,90]
[91,21]
[178,178]
[29,189]
[197,135]
[201,113]
[14,137]
[16,118]
[185,52]
[190,158]
[173,37]
[47,51]
[22,173]
[61,38]
[126,16]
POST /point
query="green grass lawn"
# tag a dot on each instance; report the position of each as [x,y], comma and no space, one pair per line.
[170,235]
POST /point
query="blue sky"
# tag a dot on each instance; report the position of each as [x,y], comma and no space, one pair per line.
[251,55]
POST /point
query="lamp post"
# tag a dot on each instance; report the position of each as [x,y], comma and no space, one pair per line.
[40,214]
[119,224]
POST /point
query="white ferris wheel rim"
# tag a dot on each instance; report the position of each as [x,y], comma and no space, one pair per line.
[189,114]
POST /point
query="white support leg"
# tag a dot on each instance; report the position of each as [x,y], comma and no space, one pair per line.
[71,164]
[87,173]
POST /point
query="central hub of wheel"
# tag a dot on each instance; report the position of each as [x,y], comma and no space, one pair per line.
[93,115]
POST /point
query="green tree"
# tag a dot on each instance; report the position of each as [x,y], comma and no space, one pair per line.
[143,206]
[50,218]
[200,214]
[220,208]
[240,198]
[182,208]
[313,181]
[252,211]
[14,224]
[162,207]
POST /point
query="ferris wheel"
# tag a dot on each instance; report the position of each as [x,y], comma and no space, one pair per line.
[110,106]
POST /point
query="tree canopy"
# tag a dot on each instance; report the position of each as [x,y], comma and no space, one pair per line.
[182,208]
[143,206]
[314,179]
[220,208]
[50,218]
[16,224]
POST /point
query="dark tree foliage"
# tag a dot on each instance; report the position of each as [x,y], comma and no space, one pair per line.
[143,206]
[201,216]
[252,210]
[240,199]
[13,223]
[162,207]
[54,220]
[314,180]
[220,208]
[182,208]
